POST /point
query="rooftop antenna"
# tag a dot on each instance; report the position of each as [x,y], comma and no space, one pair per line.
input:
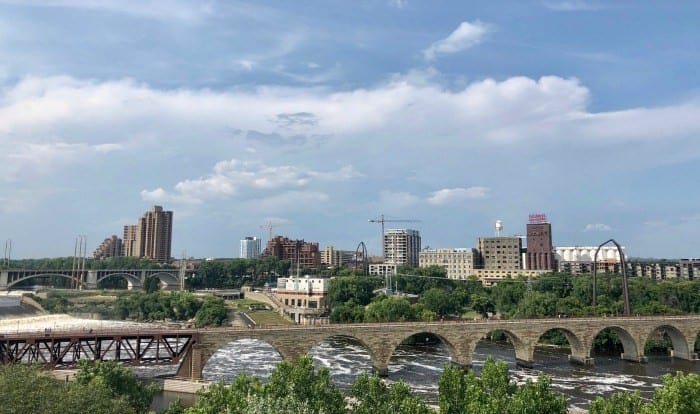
[499,227]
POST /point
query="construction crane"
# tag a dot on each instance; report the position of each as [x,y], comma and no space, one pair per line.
[269,226]
[383,220]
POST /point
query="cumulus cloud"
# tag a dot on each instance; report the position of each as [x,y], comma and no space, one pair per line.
[457,195]
[230,177]
[465,36]
[597,227]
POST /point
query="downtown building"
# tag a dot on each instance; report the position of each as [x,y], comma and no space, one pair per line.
[334,258]
[402,246]
[540,253]
[458,263]
[250,248]
[305,254]
[151,236]
[110,247]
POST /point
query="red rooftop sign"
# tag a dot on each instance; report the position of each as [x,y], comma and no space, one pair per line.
[538,218]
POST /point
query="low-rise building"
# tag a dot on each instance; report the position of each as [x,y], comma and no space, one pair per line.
[334,258]
[382,269]
[303,299]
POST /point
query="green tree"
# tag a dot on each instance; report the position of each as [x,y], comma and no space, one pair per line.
[678,394]
[439,301]
[618,403]
[151,284]
[387,309]
[118,380]
[212,312]
[371,395]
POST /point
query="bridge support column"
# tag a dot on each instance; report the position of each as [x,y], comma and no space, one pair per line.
[3,279]
[192,365]
[382,370]
[581,360]
[524,355]
[91,280]
[640,359]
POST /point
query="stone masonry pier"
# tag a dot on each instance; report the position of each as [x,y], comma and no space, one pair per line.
[461,338]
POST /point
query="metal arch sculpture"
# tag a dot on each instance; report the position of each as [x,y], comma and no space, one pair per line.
[623,265]
[365,259]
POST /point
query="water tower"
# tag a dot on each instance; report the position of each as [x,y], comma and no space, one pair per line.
[499,227]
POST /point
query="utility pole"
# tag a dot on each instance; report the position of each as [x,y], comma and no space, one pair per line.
[8,252]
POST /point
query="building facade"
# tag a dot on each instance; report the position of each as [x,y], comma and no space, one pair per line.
[402,246]
[540,253]
[579,259]
[382,269]
[306,254]
[303,299]
[250,247]
[500,253]
[151,236]
[110,247]
[334,258]
[458,263]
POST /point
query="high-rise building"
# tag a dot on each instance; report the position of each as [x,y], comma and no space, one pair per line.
[402,246]
[250,247]
[305,253]
[540,253]
[110,247]
[151,236]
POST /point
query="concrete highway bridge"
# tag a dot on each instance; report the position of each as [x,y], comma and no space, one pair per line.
[91,279]
[191,349]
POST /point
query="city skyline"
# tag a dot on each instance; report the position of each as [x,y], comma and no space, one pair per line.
[321,116]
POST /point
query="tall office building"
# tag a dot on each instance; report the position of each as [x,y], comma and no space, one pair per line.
[250,247]
[540,253]
[151,236]
[402,246]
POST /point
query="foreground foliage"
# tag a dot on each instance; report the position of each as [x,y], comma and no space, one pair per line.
[106,388]
[678,395]
[299,388]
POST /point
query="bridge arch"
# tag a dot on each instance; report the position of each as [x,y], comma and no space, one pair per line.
[132,279]
[363,359]
[630,347]
[579,351]
[32,276]
[681,344]
[523,350]
[243,354]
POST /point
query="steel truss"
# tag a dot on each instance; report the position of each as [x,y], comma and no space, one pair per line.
[64,351]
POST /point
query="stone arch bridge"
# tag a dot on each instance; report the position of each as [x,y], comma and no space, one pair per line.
[461,338]
[170,278]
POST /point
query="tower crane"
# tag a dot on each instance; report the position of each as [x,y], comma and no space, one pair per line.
[383,220]
[269,226]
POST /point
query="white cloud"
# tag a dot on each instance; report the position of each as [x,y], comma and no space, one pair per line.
[397,199]
[572,5]
[232,177]
[161,9]
[399,4]
[457,195]
[597,227]
[465,36]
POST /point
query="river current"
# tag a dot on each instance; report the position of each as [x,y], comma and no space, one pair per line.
[421,366]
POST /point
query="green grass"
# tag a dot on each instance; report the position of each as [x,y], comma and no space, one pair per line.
[268,318]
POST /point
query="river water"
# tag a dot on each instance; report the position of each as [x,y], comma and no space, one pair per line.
[421,366]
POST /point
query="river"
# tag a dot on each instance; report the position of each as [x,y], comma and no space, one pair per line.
[421,366]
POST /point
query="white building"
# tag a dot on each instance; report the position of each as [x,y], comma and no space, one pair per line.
[250,247]
[332,257]
[586,253]
[458,263]
[304,299]
[401,246]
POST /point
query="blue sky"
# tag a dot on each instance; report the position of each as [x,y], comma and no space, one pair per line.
[319,115]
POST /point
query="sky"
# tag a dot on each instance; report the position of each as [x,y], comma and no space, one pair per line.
[317,116]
